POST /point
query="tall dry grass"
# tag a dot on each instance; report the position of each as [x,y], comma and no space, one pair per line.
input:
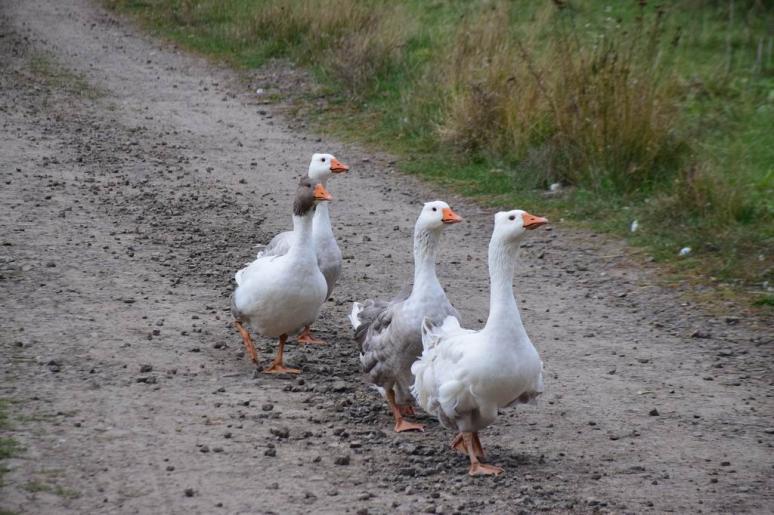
[352,42]
[596,111]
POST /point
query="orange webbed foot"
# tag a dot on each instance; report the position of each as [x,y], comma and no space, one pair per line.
[276,368]
[306,338]
[405,425]
[482,469]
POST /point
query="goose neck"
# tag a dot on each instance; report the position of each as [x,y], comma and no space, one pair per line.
[503,310]
[425,249]
[303,244]
[322,221]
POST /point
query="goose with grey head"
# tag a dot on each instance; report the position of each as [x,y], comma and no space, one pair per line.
[279,295]
[464,377]
[321,168]
[389,332]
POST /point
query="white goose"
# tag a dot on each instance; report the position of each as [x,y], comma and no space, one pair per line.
[279,295]
[389,332]
[321,168]
[464,376]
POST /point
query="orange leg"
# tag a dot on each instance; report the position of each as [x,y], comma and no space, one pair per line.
[407,410]
[278,365]
[458,444]
[400,424]
[247,341]
[476,467]
[306,337]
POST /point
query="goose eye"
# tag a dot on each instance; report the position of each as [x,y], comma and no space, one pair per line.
[323,159]
[512,217]
[435,209]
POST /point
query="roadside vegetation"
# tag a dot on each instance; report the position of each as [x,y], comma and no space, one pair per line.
[8,446]
[661,113]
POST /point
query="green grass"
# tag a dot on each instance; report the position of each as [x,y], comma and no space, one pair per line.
[657,114]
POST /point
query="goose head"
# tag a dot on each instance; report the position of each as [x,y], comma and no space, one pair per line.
[511,226]
[308,194]
[436,215]
[322,166]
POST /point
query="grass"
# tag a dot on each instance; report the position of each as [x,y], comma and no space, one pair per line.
[35,486]
[8,446]
[640,111]
[59,78]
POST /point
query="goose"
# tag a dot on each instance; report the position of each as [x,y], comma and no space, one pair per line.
[463,377]
[279,295]
[321,168]
[389,332]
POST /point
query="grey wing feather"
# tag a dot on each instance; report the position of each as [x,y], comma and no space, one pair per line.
[278,246]
[376,313]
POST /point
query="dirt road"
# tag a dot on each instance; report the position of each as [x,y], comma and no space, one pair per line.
[136,179]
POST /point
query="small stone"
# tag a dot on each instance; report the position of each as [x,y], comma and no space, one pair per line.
[339,386]
[342,460]
[725,352]
[190,492]
[270,452]
[170,468]
[654,412]
[204,448]
[280,432]
[267,407]
[698,333]
[144,369]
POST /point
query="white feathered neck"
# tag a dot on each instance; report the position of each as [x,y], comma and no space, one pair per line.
[322,219]
[503,311]
[425,248]
[302,244]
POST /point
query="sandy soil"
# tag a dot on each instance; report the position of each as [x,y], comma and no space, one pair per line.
[136,179]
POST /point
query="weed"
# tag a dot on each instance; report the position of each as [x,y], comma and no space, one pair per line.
[35,486]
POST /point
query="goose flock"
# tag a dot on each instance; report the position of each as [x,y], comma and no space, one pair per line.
[412,347]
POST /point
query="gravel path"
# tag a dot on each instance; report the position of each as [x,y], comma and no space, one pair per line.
[136,179]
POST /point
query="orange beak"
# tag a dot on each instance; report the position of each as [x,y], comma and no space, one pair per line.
[337,166]
[320,193]
[449,216]
[533,222]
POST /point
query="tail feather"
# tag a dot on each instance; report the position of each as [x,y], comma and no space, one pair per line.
[353,316]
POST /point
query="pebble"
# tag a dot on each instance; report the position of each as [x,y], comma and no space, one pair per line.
[190,492]
[342,460]
[654,412]
[280,432]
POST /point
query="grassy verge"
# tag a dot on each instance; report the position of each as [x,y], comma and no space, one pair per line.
[8,446]
[639,111]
